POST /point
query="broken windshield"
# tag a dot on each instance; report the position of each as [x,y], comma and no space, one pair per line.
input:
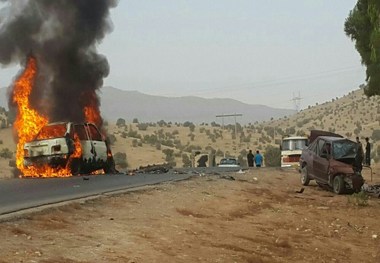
[52,131]
[344,149]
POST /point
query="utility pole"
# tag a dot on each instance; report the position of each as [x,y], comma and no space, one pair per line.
[231,115]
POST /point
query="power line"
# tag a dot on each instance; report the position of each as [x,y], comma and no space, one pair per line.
[277,82]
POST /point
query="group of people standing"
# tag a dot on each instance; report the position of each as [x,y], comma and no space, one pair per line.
[366,159]
[254,159]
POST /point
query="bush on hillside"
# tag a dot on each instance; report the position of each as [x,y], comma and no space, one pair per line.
[150,139]
[186,161]
[242,160]
[111,139]
[158,146]
[219,153]
[290,130]
[375,135]
[120,122]
[123,135]
[121,159]
[12,163]
[6,153]
[272,156]
[3,124]
[169,157]
[134,134]
[161,123]
[142,126]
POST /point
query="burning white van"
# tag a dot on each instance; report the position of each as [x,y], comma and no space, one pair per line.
[73,147]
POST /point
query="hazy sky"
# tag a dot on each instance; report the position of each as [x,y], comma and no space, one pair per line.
[255,51]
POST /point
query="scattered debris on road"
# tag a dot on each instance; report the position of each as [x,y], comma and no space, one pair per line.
[227,177]
[373,190]
[152,169]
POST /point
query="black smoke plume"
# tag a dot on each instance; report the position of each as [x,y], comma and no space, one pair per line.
[63,36]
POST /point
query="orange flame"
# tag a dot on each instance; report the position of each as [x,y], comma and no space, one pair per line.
[78,147]
[92,115]
[29,122]
[91,111]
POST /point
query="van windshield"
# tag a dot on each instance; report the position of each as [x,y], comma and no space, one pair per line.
[294,144]
[52,131]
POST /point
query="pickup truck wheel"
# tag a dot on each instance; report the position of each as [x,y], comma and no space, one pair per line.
[338,185]
[305,179]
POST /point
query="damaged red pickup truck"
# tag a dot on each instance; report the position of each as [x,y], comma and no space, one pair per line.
[331,161]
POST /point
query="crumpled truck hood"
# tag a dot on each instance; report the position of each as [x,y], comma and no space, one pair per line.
[340,167]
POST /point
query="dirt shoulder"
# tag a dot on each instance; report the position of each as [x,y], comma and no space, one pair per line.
[258,217]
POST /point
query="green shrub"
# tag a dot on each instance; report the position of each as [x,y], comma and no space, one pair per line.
[158,146]
[111,139]
[12,163]
[376,135]
[272,156]
[359,199]
[121,159]
[6,153]
[120,122]
[134,134]
[142,126]
[169,158]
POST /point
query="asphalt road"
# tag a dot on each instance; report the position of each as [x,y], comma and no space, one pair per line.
[20,194]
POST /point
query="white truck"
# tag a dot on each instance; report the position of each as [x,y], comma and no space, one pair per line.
[291,150]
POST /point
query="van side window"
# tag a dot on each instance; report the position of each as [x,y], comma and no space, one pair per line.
[81,132]
[326,150]
[313,146]
[320,145]
[94,133]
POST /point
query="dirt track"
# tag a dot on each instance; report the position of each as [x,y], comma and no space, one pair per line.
[258,217]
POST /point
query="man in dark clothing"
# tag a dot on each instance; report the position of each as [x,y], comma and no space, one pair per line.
[202,161]
[250,157]
[367,152]
[358,165]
